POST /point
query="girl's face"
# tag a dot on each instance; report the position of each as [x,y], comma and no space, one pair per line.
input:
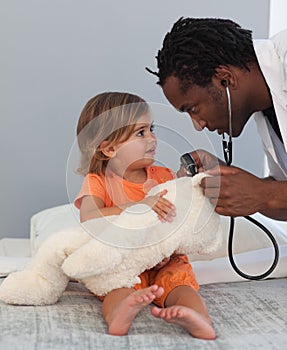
[139,150]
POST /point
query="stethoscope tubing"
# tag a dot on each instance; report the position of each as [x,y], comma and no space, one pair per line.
[230,250]
[227,151]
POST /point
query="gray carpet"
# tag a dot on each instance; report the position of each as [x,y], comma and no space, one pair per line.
[246,315]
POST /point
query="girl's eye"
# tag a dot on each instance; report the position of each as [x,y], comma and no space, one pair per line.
[140,133]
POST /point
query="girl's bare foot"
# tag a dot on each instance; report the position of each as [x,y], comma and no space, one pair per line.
[196,324]
[121,318]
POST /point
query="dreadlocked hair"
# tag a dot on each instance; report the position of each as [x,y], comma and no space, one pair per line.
[195,47]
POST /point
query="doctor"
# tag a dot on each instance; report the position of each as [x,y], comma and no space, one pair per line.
[202,61]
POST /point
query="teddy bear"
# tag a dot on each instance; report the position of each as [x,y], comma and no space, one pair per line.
[111,252]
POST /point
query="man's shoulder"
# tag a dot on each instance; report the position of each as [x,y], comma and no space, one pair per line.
[279,41]
[282,35]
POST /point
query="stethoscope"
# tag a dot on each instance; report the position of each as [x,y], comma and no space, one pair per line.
[191,168]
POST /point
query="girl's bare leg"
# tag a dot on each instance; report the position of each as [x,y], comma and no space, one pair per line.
[185,307]
[121,306]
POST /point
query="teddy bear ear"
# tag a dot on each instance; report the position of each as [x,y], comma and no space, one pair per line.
[92,258]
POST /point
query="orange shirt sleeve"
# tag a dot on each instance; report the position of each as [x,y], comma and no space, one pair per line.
[93,185]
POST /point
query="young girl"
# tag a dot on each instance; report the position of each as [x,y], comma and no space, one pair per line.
[117,144]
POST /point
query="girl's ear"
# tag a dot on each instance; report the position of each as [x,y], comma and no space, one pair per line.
[107,150]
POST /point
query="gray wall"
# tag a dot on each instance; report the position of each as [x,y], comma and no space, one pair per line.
[55,55]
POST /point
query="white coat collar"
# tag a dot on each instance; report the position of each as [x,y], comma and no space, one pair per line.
[272,58]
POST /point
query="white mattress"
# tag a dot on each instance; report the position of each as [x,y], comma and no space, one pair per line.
[15,247]
[16,253]
[251,247]
[253,263]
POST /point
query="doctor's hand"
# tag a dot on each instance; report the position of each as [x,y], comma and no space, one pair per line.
[234,192]
[205,160]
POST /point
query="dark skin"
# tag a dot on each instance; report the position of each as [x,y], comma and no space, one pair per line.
[233,191]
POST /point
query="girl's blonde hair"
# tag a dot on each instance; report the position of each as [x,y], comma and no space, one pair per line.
[110,117]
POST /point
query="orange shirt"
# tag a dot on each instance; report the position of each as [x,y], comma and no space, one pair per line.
[115,191]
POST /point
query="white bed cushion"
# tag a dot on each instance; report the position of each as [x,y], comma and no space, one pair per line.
[252,248]
[254,263]
[247,237]
[51,220]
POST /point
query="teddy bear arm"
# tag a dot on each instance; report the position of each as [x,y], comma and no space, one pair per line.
[93,258]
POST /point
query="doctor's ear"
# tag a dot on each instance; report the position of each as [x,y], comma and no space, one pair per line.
[225,76]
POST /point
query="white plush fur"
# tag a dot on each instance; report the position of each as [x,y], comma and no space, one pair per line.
[111,252]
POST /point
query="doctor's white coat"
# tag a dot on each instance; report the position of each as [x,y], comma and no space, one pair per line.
[272,58]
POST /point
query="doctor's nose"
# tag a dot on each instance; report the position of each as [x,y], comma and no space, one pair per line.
[198,125]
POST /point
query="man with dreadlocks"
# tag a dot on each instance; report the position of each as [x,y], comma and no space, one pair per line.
[202,61]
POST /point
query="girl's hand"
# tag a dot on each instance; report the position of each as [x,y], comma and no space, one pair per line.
[164,208]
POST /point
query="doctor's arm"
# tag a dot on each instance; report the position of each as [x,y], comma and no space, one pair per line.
[277,208]
[235,192]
